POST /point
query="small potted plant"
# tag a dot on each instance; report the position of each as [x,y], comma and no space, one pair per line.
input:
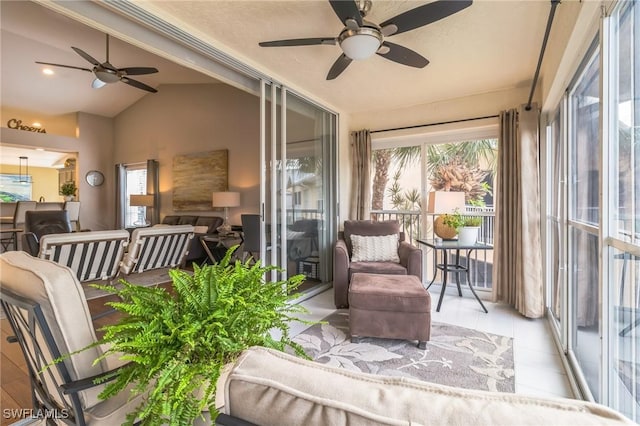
[68,190]
[447,225]
[468,232]
[180,341]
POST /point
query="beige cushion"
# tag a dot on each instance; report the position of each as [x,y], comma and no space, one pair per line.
[378,248]
[60,295]
[267,387]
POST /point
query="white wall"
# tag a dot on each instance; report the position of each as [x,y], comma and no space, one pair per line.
[184,119]
[94,148]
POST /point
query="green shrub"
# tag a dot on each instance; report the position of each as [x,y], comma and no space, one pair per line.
[472,221]
[178,342]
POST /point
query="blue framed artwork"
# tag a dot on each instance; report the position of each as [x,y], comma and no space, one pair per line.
[14,188]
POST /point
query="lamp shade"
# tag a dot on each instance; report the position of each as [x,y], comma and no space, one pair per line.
[445,202]
[360,46]
[141,200]
[225,199]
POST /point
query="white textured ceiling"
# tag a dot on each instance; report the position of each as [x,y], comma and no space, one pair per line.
[489,46]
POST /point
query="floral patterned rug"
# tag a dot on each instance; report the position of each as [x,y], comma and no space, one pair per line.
[455,356]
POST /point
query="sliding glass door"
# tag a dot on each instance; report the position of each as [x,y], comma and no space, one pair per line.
[298,194]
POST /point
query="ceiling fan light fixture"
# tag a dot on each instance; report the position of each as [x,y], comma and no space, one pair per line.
[107,76]
[361,43]
[97,83]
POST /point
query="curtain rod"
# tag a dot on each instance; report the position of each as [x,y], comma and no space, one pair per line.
[435,124]
[552,12]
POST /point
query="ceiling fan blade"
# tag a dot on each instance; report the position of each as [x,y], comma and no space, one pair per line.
[64,66]
[402,55]
[86,56]
[139,70]
[299,42]
[138,84]
[423,15]
[346,9]
[339,66]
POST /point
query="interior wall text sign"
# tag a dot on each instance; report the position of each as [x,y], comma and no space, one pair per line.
[14,123]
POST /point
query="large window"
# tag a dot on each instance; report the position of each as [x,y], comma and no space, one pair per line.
[403,175]
[595,305]
[136,183]
[583,221]
[623,242]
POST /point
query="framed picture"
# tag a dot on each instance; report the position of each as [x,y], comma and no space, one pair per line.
[15,187]
[196,176]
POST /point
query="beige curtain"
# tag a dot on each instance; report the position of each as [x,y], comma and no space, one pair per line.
[361,175]
[518,252]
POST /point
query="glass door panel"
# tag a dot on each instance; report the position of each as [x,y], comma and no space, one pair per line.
[298,186]
[624,220]
[583,224]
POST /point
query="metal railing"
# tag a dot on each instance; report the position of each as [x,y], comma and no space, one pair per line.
[481,261]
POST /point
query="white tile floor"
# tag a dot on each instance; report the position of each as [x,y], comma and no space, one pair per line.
[538,367]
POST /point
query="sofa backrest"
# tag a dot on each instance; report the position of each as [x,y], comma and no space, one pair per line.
[160,246]
[268,387]
[370,228]
[211,222]
[95,255]
[59,293]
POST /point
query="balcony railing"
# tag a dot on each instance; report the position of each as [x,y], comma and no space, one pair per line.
[481,260]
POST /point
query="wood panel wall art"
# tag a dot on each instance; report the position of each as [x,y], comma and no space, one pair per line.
[196,176]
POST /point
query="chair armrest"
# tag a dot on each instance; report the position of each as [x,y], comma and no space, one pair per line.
[341,264]
[89,382]
[411,258]
[30,243]
[227,420]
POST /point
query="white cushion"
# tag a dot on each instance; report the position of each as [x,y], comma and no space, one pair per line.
[268,387]
[380,248]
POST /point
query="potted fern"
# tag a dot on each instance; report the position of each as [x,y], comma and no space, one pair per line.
[178,342]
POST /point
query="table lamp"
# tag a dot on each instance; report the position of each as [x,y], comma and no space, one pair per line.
[141,200]
[225,199]
[443,202]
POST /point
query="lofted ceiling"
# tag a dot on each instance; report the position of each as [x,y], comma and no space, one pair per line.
[30,33]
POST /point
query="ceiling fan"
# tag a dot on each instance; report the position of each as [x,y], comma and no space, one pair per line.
[106,73]
[360,39]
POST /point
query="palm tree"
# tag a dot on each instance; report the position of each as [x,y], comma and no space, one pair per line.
[382,159]
[404,156]
[442,159]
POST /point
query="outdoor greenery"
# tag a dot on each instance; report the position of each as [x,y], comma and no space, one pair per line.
[68,188]
[459,166]
[472,221]
[179,341]
[456,220]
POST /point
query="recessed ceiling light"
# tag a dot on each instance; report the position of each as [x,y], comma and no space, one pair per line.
[47,71]
[39,149]
[36,124]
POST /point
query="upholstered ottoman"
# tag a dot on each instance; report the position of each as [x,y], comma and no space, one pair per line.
[389,306]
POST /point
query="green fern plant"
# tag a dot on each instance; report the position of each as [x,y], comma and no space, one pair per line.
[178,342]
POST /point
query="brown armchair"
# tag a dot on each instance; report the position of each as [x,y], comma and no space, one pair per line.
[410,257]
